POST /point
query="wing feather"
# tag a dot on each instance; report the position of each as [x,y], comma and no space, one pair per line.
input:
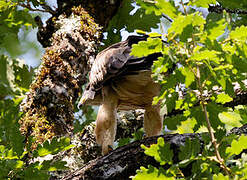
[108,63]
[113,61]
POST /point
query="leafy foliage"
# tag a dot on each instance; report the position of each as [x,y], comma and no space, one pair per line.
[144,48]
[160,151]
[12,19]
[150,173]
[211,54]
[211,59]
[53,147]
[15,78]
[129,19]
[237,4]
[17,160]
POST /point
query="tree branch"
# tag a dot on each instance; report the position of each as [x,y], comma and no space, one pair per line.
[124,161]
[239,99]
[219,9]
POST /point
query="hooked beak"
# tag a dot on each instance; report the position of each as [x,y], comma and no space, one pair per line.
[81,102]
[88,94]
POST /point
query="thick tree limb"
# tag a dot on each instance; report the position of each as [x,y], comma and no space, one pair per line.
[123,162]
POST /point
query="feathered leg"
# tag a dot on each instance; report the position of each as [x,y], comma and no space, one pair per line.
[153,121]
[106,124]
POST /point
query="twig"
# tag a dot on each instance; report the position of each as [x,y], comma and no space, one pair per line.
[167,18]
[182,3]
[219,9]
[28,6]
[209,127]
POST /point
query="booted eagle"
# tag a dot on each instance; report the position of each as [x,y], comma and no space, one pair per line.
[119,81]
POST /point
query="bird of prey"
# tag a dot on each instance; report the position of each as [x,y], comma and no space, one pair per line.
[119,81]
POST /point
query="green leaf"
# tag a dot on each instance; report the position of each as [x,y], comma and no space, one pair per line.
[144,48]
[170,100]
[5,87]
[205,55]
[19,164]
[215,29]
[9,127]
[223,98]
[55,146]
[173,122]
[9,154]
[240,33]
[220,177]
[190,150]
[160,151]
[167,7]
[236,4]
[189,75]
[186,126]
[159,7]
[149,7]
[181,22]
[160,66]
[231,119]
[32,173]
[213,112]
[15,76]
[51,165]
[154,35]
[239,63]
[43,152]
[202,3]
[150,173]
[123,141]
[242,110]
[237,146]
[125,19]
[12,19]
[222,81]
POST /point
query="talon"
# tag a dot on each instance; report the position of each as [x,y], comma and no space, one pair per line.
[106,150]
[110,148]
[144,136]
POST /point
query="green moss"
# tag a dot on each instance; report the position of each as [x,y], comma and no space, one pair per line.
[40,117]
[35,124]
[88,24]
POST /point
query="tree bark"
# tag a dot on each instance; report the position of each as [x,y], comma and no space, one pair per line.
[71,37]
[123,162]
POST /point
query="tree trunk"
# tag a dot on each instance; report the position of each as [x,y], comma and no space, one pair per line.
[72,36]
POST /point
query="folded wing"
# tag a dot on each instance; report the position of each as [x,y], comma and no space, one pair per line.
[116,61]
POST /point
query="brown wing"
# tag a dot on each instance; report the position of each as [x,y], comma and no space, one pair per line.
[112,62]
[108,64]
